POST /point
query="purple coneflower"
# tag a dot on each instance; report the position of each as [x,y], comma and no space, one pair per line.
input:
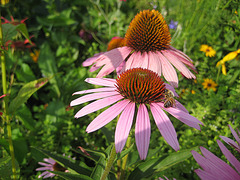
[135,88]
[213,168]
[51,165]
[147,45]
[230,141]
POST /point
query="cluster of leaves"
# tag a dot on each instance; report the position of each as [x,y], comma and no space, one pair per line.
[68,32]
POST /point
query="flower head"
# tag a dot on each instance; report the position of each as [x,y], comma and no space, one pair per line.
[209,84]
[51,165]
[138,89]
[34,55]
[230,141]
[209,51]
[230,56]
[215,168]
[147,45]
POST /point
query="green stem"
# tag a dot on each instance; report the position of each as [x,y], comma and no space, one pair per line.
[5,103]
[125,158]
[109,163]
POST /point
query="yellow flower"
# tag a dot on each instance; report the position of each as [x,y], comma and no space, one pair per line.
[3,2]
[209,84]
[193,92]
[208,50]
[34,55]
[230,56]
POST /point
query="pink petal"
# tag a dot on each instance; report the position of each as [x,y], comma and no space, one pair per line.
[49,175]
[43,168]
[168,71]
[96,105]
[91,60]
[154,63]
[205,175]
[94,90]
[123,126]
[138,60]
[180,107]
[219,167]
[178,64]
[234,134]
[106,116]
[165,126]
[49,160]
[142,131]
[180,53]
[43,174]
[229,141]
[45,164]
[111,60]
[90,97]
[101,81]
[129,62]
[182,116]
[229,156]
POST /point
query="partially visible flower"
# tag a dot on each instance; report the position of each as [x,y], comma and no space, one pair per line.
[114,43]
[34,55]
[209,84]
[147,46]
[134,88]
[173,24]
[51,165]
[209,51]
[85,35]
[230,56]
[213,167]
[13,21]
[19,45]
[230,141]
[165,178]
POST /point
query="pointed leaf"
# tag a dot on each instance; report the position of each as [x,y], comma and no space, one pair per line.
[9,31]
[26,92]
[70,176]
[23,30]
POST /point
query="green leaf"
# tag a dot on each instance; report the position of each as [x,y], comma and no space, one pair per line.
[100,166]
[70,176]
[9,31]
[48,67]
[125,152]
[62,19]
[65,162]
[25,116]
[25,93]
[23,30]
[25,74]
[6,167]
[153,166]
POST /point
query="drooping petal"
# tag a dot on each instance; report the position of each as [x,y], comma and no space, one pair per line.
[96,105]
[142,131]
[178,64]
[94,90]
[43,174]
[49,160]
[111,60]
[229,156]
[182,116]
[91,60]
[168,71]
[229,141]
[123,126]
[43,168]
[49,175]
[234,134]
[138,60]
[154,63]
[45,164]
[93,96]
[180,107]
[218,165]
[106,116]
[205,175]
[101,81]
[165,126]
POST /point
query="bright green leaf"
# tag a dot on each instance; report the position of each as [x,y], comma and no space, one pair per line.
[70,176]
[25,93]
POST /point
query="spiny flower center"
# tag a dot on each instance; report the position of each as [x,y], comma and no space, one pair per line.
[148,31]
[115,43]
[141,86]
